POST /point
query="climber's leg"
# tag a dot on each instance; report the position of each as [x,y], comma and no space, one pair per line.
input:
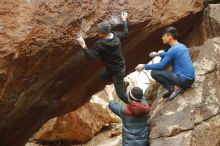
[118,80]
[171,82]
[163,78]
[106,75]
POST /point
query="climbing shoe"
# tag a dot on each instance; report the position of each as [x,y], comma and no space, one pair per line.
[175,93]
[167,94]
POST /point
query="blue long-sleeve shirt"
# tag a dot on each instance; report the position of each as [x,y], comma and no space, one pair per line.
[179,58]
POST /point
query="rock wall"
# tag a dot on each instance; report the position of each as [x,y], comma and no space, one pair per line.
[43,74]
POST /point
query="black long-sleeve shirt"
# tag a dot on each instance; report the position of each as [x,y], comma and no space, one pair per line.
[109,50]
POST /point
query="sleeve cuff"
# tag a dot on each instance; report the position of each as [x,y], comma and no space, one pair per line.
[162,54]
[145,67]
[84,49]
[111,102]
[125,22]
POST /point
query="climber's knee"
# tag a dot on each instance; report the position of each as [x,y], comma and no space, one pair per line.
[154,74]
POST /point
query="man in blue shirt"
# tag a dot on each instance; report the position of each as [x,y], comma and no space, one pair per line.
[182,74]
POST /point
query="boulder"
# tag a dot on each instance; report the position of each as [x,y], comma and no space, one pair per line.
[78,126]
[43,73]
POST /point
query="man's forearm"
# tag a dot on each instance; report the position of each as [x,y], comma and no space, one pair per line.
[162,54]
[157,66]
[88,54]
[125,27]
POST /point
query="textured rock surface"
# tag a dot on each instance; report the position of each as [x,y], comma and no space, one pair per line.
[206,26]
[192,119]
[78,126]
[42,72]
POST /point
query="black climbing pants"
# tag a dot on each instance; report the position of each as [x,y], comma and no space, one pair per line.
[118,81]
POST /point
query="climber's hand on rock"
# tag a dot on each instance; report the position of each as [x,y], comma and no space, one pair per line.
[124,16]
[81,42]
[109,90]
[140,67]
[153,54]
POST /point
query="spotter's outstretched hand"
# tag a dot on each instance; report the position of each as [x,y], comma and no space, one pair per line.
[153,54]
[140,67]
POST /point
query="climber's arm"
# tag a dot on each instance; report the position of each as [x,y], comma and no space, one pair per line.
[91,53]
[122,35]
[116,108]
[168,57]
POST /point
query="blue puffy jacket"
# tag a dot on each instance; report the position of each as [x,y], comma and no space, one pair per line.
[134,120]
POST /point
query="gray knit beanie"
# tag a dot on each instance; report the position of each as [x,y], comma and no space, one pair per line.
[104,27]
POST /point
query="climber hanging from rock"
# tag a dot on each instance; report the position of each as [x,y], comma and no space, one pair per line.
[134,117]
[108,47]
[182,75]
